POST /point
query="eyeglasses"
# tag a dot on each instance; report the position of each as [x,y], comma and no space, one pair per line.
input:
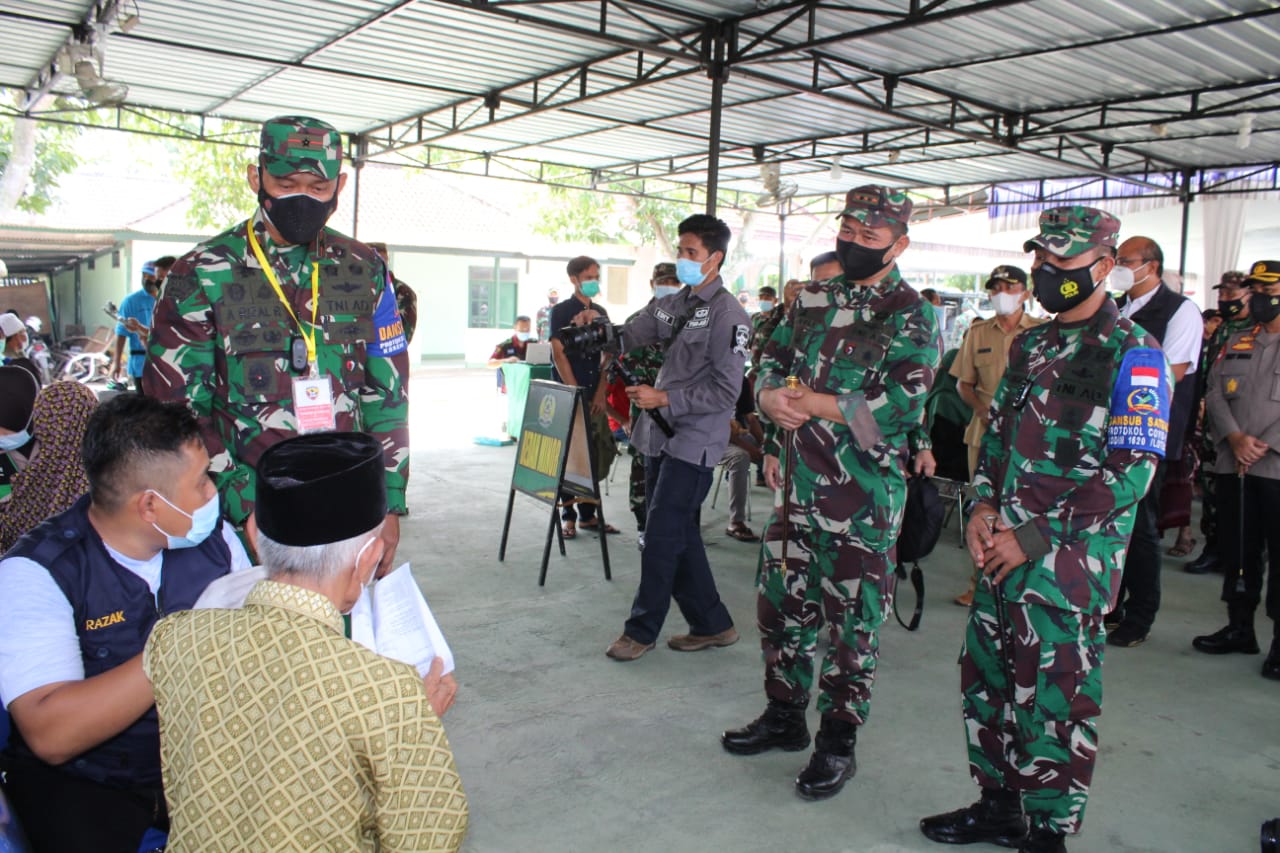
[1137,262]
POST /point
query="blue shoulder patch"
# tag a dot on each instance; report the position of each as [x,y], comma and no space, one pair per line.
[1140,403]
[388,328]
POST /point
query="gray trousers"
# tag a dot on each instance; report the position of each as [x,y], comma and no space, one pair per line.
[737,464]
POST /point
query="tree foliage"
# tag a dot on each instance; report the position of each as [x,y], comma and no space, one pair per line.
[214,176]
[33,156]
[570,215]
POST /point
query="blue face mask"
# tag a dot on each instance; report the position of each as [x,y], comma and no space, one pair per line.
[689,272]
[661,290]
[525,336]
[765,306]
[591,289]
[14,440]
[203,521]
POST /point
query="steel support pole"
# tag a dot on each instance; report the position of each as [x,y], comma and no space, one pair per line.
[713,142]
[1186,227]
[782,246]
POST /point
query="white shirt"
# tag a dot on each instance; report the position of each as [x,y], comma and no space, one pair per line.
[1184,335]
[38,640]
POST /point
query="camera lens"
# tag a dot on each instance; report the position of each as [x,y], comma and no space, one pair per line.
[1270,836]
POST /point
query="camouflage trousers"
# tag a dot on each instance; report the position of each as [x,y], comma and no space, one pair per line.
[832,577]
[635,492]
[1057,670]
[1208,484]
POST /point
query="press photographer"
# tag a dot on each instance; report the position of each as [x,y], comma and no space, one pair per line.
[706,336]
[581,367]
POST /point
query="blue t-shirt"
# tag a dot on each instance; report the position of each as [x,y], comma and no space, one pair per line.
[139,305]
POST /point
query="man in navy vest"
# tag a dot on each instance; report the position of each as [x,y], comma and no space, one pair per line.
[1174,321]
[78,597]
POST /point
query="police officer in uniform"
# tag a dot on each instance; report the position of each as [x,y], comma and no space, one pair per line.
[280,326]
[843,384]
[707,337]
[1233,308]
[1079,423]
[1245,413]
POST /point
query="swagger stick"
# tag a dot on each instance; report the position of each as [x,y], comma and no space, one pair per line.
[1006,658]
[788,438]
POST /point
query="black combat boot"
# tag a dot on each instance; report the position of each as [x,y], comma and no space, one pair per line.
[781,726]
[1207,562]
[1238,636]
[994,819]
[1271,666]
[832,762]
[1041,840]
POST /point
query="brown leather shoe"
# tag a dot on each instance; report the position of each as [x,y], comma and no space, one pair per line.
[625,648]
[696,643]
[741,532]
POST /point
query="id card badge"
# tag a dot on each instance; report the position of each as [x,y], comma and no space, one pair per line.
[313,404]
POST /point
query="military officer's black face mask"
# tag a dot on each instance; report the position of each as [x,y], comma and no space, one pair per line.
[1061,290]
[1231,308]
[860,262]
[1264,307]
[297,217]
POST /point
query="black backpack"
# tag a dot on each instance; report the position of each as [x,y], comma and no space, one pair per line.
[921,529]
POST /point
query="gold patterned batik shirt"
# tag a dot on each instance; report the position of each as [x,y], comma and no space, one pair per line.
[278,733]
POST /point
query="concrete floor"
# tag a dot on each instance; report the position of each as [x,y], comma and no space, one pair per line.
[562,749]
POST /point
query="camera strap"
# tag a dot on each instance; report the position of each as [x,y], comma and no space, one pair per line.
[695,303]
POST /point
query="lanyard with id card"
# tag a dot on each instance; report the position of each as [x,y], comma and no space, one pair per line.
[312,393]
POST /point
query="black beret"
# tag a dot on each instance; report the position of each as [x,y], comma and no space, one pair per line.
[321,488]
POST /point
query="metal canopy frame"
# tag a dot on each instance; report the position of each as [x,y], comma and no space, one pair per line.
[685,100]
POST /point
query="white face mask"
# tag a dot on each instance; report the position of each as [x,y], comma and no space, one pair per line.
[203,522]
[372,575]
[1006,303]
[1121,279]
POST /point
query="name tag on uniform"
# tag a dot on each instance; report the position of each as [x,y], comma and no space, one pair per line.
[313,404]
[701,317]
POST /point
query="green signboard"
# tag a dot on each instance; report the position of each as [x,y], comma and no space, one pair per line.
[553,459]
[543,440]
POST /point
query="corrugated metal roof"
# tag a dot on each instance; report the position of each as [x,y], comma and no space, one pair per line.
[965,92]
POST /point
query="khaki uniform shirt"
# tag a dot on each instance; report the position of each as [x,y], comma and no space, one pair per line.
[1244,396]
[279,733]
[983,357]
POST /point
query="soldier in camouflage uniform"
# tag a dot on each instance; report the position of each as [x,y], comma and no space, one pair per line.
[240,343]
[1233,303]
[644,364]
[864,348]
[1079,423]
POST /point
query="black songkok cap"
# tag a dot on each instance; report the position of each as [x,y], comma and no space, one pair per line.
[321,488]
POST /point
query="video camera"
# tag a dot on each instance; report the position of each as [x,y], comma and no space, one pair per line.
[597,336]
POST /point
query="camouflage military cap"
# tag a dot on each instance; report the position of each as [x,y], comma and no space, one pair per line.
[1005,272]
[1071,230]
[1263,272]
[1230,278]
[878,207]
[664,270]
[300,144]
